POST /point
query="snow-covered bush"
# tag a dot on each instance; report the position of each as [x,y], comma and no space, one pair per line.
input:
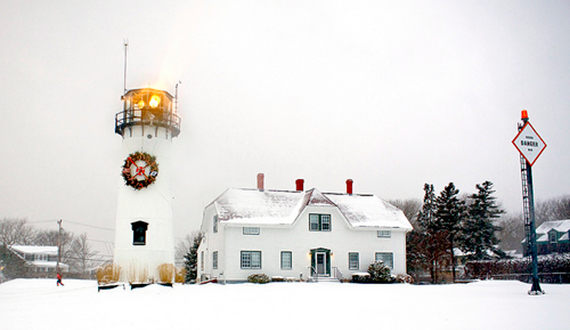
[258,278]
[378,272]
[360,278]
[404,279]
[551,268]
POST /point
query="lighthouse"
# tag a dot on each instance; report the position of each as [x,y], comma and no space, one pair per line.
[144,237]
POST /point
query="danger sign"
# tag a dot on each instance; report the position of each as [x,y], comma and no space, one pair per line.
[529,143]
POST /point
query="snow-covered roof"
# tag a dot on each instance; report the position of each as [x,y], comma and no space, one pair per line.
[31,249]
[561,226]
[369,211]
[48,264]
[280,207]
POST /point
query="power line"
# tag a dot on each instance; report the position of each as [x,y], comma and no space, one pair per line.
[96,240]
[43,221]
[91,226]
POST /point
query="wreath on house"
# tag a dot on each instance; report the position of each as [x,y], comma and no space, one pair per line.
[140,170]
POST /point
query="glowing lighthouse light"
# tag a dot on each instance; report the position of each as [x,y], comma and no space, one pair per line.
[144,238]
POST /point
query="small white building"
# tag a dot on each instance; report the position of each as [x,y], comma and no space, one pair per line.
[41,259]
[299,234]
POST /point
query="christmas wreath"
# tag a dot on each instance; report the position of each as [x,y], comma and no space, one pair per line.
[140,170]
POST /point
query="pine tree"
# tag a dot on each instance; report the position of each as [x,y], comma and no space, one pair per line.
[426,217]
[426,244]
[450,214]
[479,229]
[191,260]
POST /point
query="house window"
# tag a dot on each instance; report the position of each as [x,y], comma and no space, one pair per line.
[215,260]
[353,260]
[286,260]
[250,259]
[202,260]
[139,232]
[320,222]
[384,233]
[251,230]
[552,237]
[386,257]
[41,257]
[215,229]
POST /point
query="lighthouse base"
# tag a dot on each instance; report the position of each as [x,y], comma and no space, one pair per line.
[146,268]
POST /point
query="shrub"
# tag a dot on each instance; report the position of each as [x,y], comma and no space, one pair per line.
[552,265]
[380,273]
[166,273]
[258,278]
[360,278]
[404,279]
[108,274]
[180,275]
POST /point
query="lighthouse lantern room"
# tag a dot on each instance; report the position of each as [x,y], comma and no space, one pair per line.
[144,238]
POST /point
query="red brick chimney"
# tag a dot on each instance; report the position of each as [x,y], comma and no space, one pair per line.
[300,184]
[349,186]
[260,179]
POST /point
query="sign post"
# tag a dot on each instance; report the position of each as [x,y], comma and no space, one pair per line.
[530,145]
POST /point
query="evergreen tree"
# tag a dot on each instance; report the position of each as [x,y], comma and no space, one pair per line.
[427,215]
[191,259]
[450,214]
[478,235]
[426,244]
[11,266]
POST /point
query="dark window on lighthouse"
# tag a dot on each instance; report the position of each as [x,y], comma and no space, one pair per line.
[139,232]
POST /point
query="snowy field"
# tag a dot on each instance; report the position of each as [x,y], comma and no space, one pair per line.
[40,304]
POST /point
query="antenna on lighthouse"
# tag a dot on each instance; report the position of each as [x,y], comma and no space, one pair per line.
[126,44]
[176,97]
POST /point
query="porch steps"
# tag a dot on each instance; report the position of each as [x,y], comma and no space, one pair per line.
[321,279]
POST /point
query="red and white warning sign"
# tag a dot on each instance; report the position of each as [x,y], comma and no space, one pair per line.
[529,143]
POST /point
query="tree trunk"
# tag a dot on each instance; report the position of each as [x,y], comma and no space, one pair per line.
[452,257]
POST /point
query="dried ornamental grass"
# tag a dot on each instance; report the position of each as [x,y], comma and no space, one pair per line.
[180,275]
[166,273]
[138,275]
[108,274]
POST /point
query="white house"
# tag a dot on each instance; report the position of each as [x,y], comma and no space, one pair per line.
[299,234]
[41,259]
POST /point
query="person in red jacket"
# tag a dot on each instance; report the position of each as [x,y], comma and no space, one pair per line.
[59,280]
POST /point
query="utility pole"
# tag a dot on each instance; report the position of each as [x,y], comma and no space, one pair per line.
[58,244]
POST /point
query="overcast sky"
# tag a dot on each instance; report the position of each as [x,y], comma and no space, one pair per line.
[392,94]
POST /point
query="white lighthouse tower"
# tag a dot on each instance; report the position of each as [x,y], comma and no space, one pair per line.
[144,237]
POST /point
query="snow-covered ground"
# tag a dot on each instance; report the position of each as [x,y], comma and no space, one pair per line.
[40,304]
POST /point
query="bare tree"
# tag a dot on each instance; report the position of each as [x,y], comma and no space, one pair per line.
[81,254]
[49,238]
[15,231]
[511,232]
[410,207]
[183,247]
[556,208]
[511,226]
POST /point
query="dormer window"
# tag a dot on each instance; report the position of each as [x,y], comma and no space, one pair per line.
[139,232]
[552,237]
